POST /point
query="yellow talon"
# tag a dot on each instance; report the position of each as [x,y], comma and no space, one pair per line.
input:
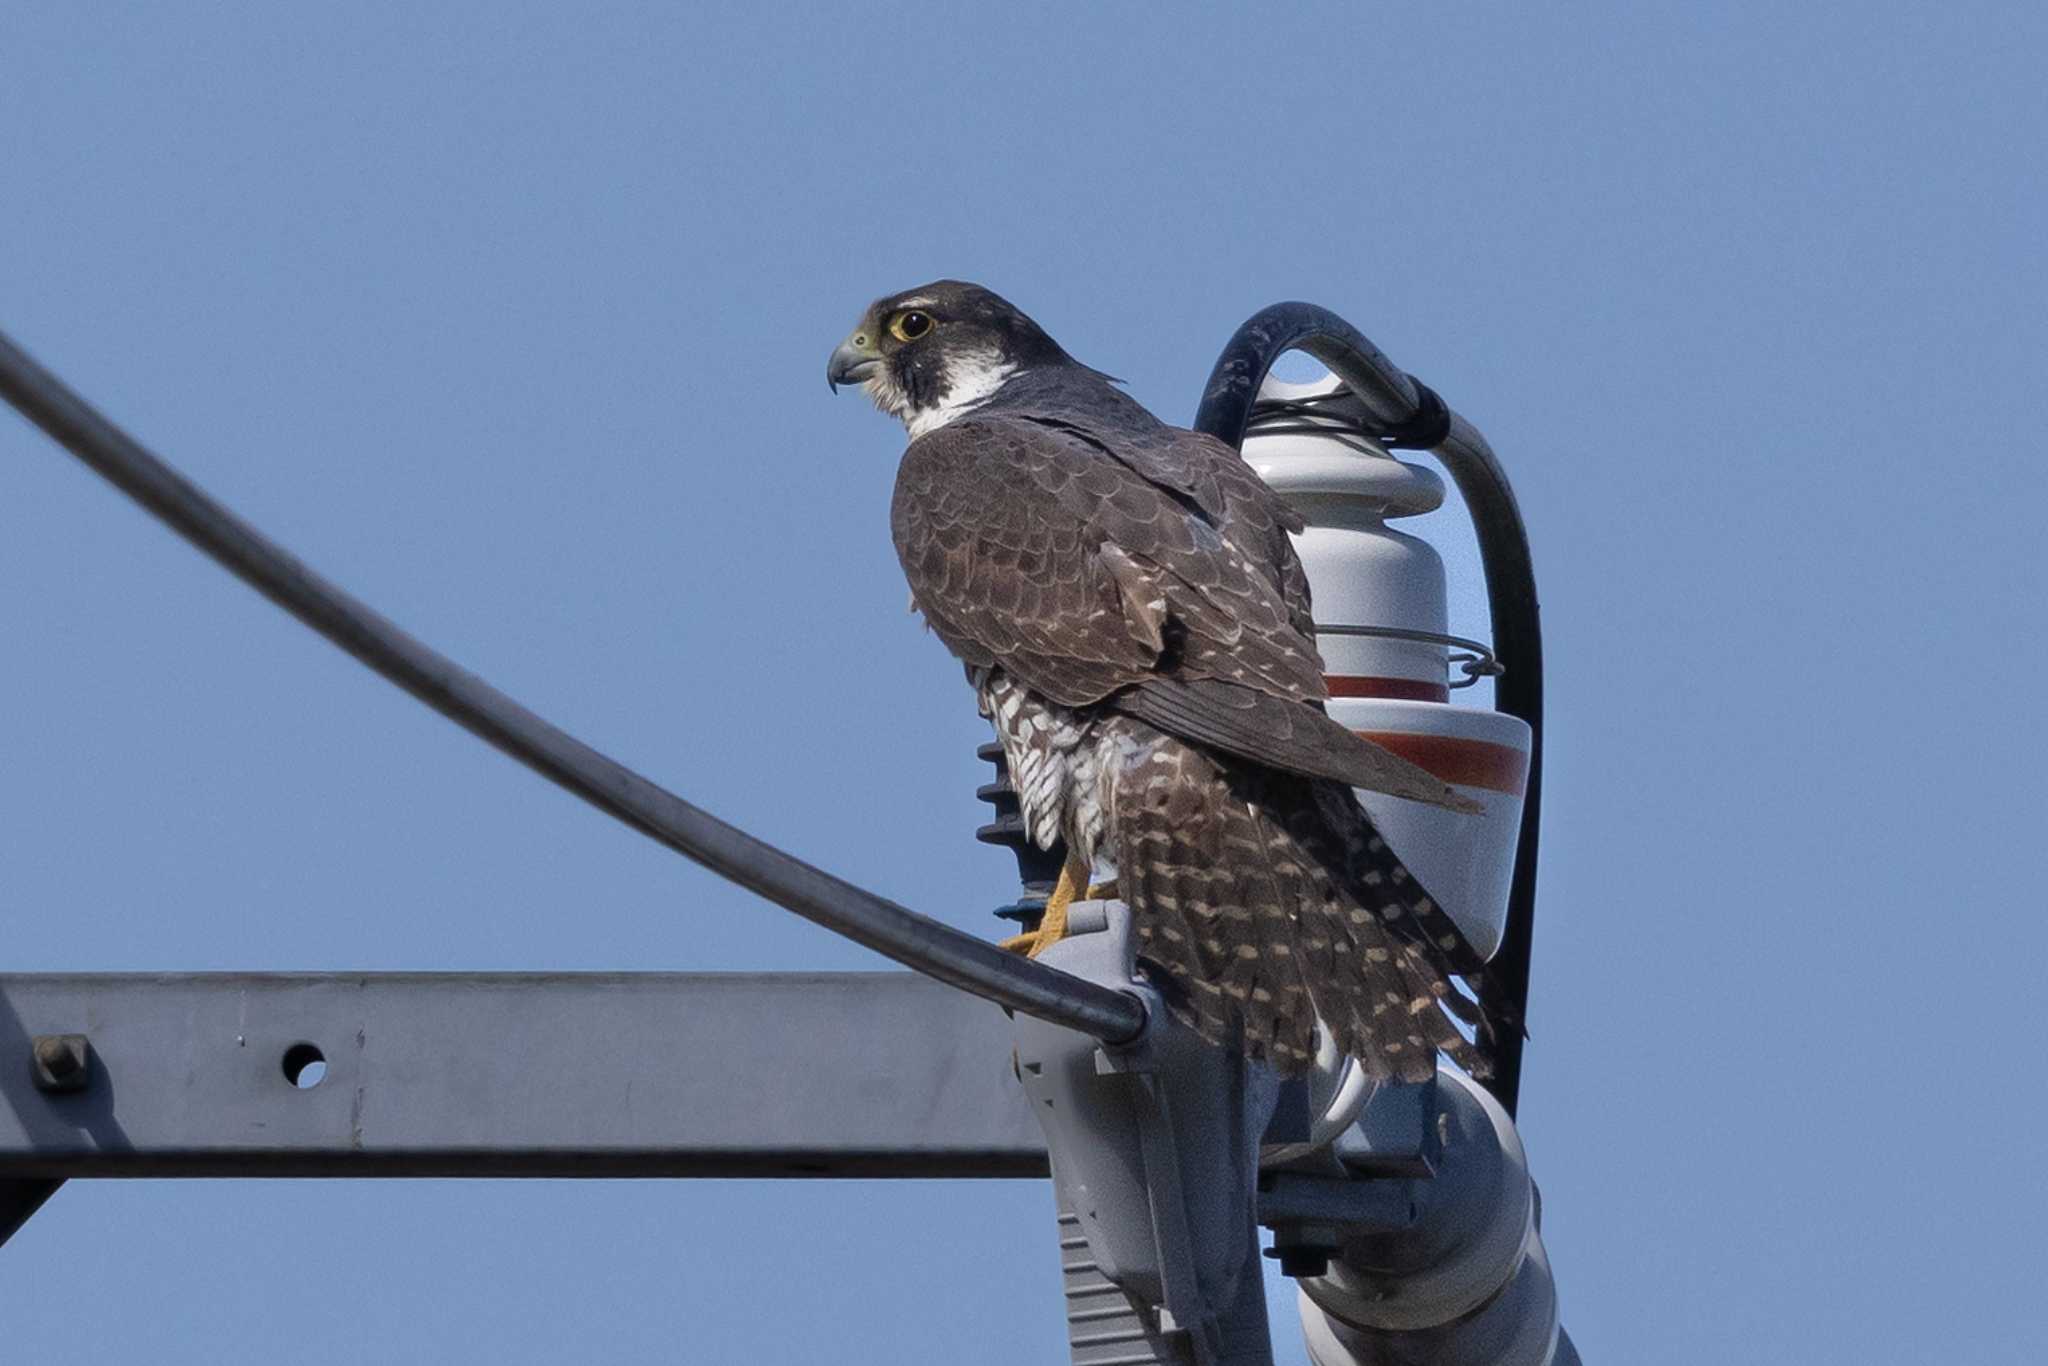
[1052,925]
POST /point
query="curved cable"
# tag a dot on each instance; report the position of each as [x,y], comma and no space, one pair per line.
[1409,414]
[917,941]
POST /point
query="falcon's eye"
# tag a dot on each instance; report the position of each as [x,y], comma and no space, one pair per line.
[910,324]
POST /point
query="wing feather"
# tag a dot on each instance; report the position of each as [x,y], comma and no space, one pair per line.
[1001,524]
[1296,737]
[1148,573]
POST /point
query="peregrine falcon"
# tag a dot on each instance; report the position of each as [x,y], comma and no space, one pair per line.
[1135,623]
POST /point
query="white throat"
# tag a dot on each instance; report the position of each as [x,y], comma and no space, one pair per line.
[974,379]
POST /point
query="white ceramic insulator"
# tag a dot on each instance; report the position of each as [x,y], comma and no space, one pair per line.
[1396,691]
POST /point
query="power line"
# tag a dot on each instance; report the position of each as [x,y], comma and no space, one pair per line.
[938,950]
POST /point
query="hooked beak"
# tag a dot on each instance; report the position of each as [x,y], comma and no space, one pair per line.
[854,360]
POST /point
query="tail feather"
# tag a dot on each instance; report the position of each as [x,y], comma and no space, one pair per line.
[1263,900]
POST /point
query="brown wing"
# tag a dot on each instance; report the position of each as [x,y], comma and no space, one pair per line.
[1294,736]
[1053,552]
[1214,478]
[1001,525]
[1243,505]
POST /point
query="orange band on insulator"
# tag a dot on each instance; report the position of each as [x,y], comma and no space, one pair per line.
[1458,761]
[1407,689]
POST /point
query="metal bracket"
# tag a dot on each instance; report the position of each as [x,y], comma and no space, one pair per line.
[1155,1149]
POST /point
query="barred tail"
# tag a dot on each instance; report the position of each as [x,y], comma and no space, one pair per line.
[1263,900]
[1394,922]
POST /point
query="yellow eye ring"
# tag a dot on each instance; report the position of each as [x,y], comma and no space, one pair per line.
[909,325]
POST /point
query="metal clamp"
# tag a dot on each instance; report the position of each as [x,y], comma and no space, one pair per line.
[1476,662]
[1154,1149]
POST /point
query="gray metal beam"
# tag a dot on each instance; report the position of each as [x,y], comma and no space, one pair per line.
[500,1074]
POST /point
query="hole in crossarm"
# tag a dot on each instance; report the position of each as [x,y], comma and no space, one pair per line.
[305,1066]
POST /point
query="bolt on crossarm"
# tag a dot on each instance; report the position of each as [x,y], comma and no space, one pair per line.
[936,949]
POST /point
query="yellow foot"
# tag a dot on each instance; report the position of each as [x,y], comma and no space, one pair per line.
[1052,926]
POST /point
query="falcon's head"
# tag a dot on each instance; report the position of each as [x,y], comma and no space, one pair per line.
[929,354]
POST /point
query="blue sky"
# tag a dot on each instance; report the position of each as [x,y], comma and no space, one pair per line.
[511,318]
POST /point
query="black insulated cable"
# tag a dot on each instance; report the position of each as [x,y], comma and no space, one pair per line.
[935,949]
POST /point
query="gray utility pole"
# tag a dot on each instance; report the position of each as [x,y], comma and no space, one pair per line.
[1406,1212]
